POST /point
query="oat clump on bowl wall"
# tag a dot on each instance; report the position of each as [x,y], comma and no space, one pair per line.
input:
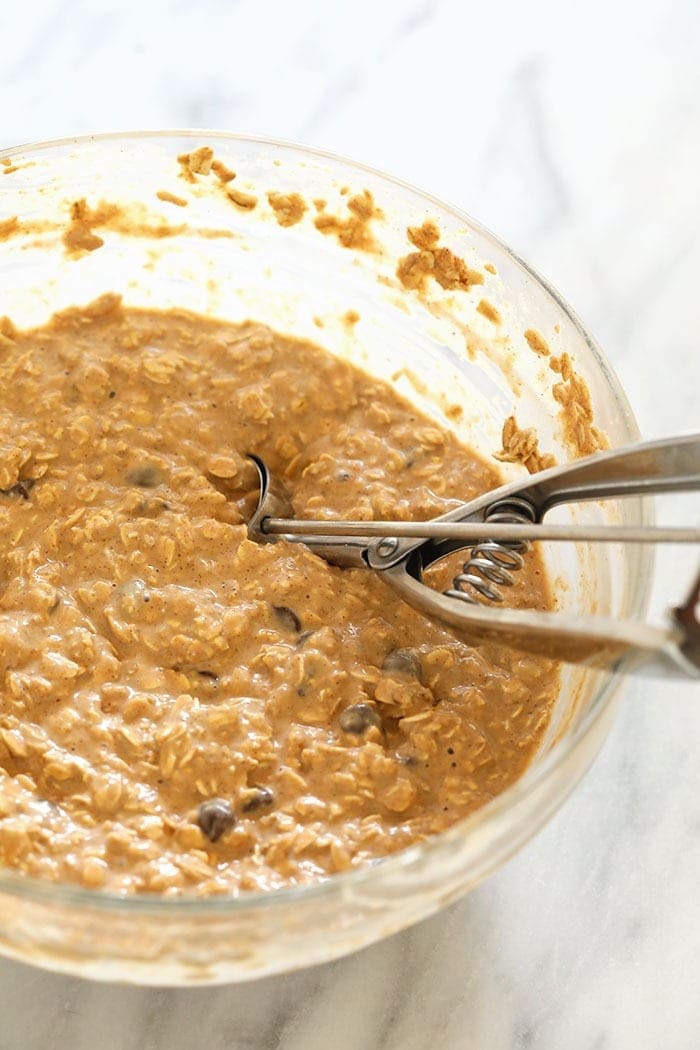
[430,260]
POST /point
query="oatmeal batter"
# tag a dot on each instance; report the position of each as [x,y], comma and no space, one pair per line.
[184,710]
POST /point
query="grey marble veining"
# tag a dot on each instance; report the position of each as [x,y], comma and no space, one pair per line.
[575,133]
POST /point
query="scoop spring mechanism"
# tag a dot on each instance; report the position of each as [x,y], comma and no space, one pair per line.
[493,562]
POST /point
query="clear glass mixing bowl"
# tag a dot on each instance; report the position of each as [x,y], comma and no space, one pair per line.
[440,350]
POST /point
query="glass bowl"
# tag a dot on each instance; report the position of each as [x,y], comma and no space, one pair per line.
[441,349]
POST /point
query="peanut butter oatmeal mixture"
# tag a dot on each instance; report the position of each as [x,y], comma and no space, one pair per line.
[184,710]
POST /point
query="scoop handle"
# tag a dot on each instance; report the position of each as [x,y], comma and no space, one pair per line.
[595,641]
[646,469]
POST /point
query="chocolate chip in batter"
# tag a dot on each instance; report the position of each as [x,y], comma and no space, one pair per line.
[403,661]
[358,718]
[151,508]
[287,618]
[257,798]
[215,817]
[146,477]
[21,488]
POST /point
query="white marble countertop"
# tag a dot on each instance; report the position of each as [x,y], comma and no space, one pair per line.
[573,131]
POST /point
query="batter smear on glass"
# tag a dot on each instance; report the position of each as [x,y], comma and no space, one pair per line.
[184,710]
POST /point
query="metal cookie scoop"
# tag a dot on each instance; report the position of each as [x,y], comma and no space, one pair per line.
[497,529]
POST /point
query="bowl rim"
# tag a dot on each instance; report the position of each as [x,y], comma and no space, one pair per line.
[66,894]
